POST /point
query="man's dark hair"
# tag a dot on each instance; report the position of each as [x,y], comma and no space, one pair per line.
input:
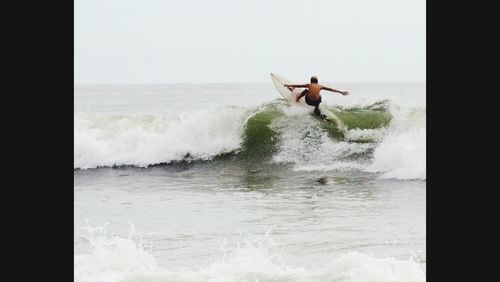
[314,79]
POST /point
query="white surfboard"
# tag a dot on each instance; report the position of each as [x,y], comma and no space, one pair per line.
[289,93]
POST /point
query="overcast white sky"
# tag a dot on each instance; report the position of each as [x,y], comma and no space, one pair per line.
[212,41]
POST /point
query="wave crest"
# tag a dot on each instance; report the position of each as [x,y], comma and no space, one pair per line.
[142,140]
[376,138]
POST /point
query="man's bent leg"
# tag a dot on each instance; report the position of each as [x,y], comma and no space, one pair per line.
[302,94]
[317,110]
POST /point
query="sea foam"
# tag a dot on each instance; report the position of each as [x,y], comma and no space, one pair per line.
[114,258]
[142,140]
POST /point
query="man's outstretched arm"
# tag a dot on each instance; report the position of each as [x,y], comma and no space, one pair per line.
[297,85]
[335,90]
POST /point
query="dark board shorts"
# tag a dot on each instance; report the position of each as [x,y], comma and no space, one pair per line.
[313,102]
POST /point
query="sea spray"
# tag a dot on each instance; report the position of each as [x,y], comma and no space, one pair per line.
[113,258]
[402,153]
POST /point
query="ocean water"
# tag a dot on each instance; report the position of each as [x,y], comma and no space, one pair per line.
[227,182]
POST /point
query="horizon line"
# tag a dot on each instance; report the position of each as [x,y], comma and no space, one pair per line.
[228,83]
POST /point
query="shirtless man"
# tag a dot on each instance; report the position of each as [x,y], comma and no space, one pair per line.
[312,93]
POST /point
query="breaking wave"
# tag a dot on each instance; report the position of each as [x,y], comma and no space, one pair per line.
[377,138]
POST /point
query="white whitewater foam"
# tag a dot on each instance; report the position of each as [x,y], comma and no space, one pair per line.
[142,140]
[401,156]
[399,150]
[402,153]
[122,259]
[306,144]
[366,134]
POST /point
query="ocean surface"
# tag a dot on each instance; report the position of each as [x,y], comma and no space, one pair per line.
[228,182]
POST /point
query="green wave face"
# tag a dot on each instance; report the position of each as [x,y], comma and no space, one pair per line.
[372,116]
[364,119]
[260,139]
[369,117]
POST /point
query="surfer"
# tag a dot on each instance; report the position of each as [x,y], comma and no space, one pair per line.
[312,93]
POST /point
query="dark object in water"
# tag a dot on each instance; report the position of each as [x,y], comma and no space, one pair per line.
[322,180]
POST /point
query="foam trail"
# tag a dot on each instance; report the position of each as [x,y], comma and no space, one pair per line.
[309,146]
